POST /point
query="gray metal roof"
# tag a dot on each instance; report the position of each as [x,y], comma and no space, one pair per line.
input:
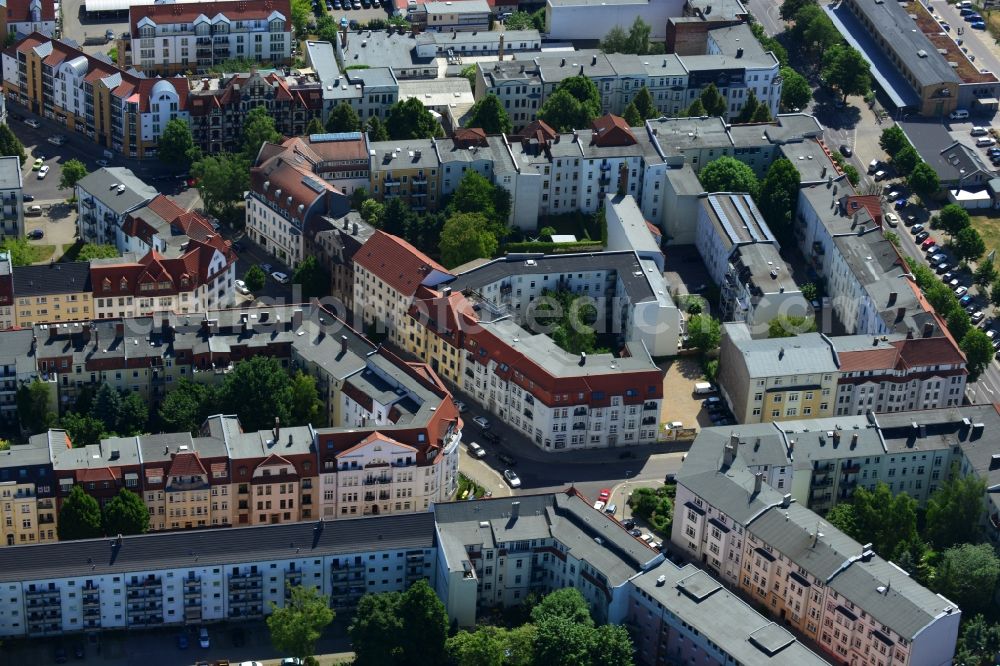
[463,7]
[199,548]
[952,161]
[102,185]
[722,617]
[806,354]
[10,173]
[55,278]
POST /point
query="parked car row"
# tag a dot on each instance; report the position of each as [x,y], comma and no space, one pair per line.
[718,412]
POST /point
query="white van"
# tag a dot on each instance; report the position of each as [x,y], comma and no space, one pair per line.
[703,388]
[873,166]
[958,114]
[978,131]
[984,141]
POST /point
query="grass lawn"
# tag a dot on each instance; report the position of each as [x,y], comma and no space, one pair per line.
[988,227]
[39,254]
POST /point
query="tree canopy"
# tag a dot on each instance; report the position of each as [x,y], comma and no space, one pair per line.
[727,174]
[846,69]
[796,92]
[466,236]
[186,406]
[33,406]
[635,41]
[410,119]
[574,105]
[906,160]
[704,332]
[954,510]
[343,118]
[978,349]
[176,146]
[254,278]
[73,171]
[968,575]
[924,180]
[222,180]
[79,516]
[126,513]
[489,115]
[779,192]
[888,522]
[298,624]
[258,129]
[968,244]
[312,278]
[892,140]
[91,251]
[10,145]
[397,628]
[259,390]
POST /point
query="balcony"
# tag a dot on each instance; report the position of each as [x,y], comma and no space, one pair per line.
[377,480]
[347,567]
[648,406]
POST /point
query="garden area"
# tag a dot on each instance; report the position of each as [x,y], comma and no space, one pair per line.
[655,507]
[469,489]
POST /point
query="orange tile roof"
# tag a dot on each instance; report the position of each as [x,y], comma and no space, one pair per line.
[396,262]
[187,464]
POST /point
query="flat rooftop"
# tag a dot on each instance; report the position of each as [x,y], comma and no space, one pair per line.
[736,219]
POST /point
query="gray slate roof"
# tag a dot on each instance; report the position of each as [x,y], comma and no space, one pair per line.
[806,354]
[101,184]
[167,550]
[54,278]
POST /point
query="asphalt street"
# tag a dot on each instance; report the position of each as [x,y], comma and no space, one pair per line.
[978,42]
[767,14]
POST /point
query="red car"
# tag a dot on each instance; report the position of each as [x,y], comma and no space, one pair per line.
[928,242]
[604,495]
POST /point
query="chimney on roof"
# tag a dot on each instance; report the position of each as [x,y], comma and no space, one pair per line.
[739,53]
[836,437]
[758,480]
[593,61]
[928,330]
[354,229]
[515,510]
[500,51]
[854,440]
[583,358]
[277,428]
[119,330]
[786,500]
[296,318]
[892,299]
[730,450]
[343,344]
[53,331]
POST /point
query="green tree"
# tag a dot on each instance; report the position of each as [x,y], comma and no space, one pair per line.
[955,510]
[814,32]
[968,244]
[779,194]
[466,236]
[968,574]
[727,174]
[564,113]
[538,19]
[410,119]
[258,129]
[377,130]
[770,44]
[476,194]
[893,140]
[567,604]
[696,110]
[761,114]
[372,212]
[985,273]
[315,126]
[958,322]
[561,642]
[888,522]
[298,624]
[303,400]
[425,625]
[789,8]
[186,406]
[33,406]
[91,251]
[995,293]
[254,278]
[612,645]
[257,392]
[847,70]
[125,514]
[654,507]
[301,13]
[469,72]
[107,407]
[10,145]
[375,629]
[519,21]
[704,332]
[312,278]
[72,172]
[493,646]
[358,197]
[398,219]
[638,37]
[644,104]
[842,516]
[4,445]
[343,118]
[489,115]
[906,160]
[953,218]
[788,326]
[133,418]
[79,516]
[713,101]
[632,115]
[924,180]
[222,180]
[176,146]
[796,92]
[979,643]
[83,429]
[746,114]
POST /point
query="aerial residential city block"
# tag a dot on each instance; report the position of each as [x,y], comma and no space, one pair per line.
[500,332]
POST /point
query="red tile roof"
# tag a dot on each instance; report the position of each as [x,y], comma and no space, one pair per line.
[19,11]
[396,263]
[375,436]
[187,463]
[236,10]
[466,137]
[612,130]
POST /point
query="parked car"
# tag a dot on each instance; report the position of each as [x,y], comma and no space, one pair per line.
[512,479]
[635,531]
[266,268]
[482,422]
[103,163]
[978,131]
[611,509]
[460,406]
[892,220]
[60,655]
[43,172]
[961,291]
[37,164]
[921,236]
[33,210]
[280,277]
[916,229]
[241,287]
[78,651]
[965,300]
[604,495]
[977,317]
[900,204]
[182,641]
[203,640]
[476,450]
[931,251]
[29,197]
[977,25]
[943,267]
[845,150]
[31,122]
[490,437]
[36,234]
[880,175]
[628,523]
[893,195]
[238,637]
[927,242]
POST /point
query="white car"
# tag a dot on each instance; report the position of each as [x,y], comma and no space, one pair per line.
[648,538]
[476,450]
[482,422]
[892,220]
[103,163]
[280,277]
[43,172]
[203,638]
[241,287]
[31,122]
[961,291]
[512,479]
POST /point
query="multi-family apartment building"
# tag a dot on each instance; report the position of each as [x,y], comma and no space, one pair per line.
[197,36]
[23,17]
[462,549]
[7,315]
[11,197]
[56,292]
[458,16]
[287,195]
[831,589]
[105,198]
[407,169]
[369,91]
[812,375]
[17,367]
[734,62]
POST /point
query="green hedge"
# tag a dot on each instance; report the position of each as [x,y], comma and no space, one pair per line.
[554,248]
